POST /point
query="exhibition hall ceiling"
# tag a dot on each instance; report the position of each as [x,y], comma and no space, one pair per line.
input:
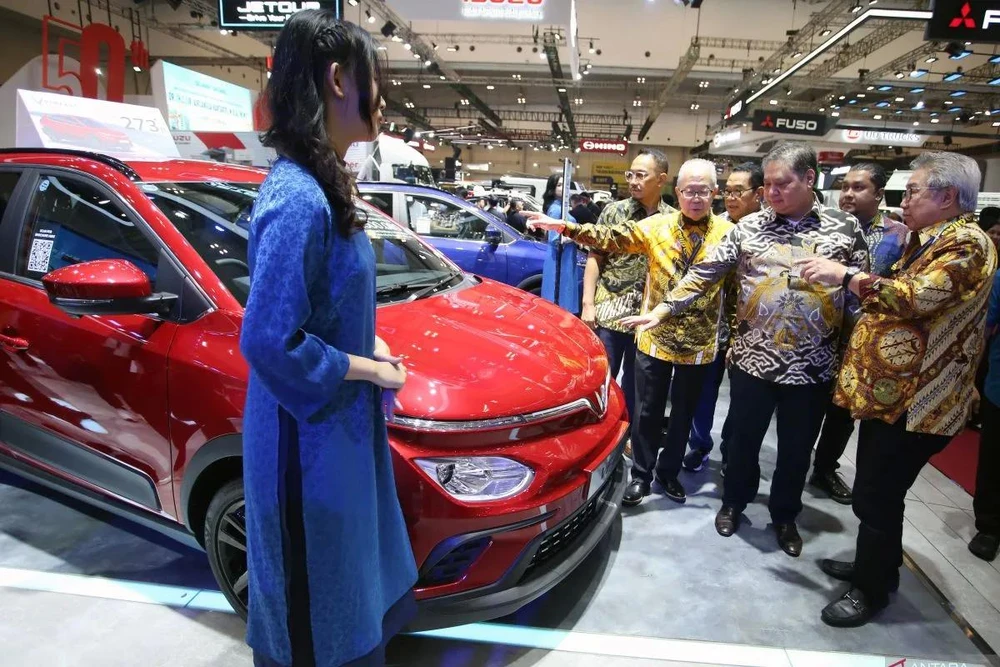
[659,71]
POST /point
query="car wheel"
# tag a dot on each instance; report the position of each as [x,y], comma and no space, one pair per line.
[226,544]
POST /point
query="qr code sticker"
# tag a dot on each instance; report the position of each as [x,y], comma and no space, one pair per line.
[41,251]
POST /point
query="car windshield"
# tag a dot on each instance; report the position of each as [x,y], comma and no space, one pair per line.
[414,174]
[214,217]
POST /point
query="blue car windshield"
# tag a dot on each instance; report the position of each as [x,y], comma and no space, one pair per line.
[214,217]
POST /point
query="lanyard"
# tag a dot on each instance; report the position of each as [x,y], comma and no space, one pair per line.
[922,249]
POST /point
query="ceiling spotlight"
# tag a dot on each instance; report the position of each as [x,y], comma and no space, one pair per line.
[822,109]
[416,56]
[958,93]
[443,77]
[877,116]
[427,86]
[899,75]
[427,63]
[578,101]
[900,99]
[774,102]
[915,123]
[884,88]
[453,49]
[948,102]
[516,76]
[562,90]
[957,50]
[995,60]
[954,76]
[918,106]
[871,88]
[935,120]
[352,3]
[703,84]
[917,73]
[797,54]
[396,82]
[640,79]
[835,114]
[695,106]
[931,59]
[491,87]
[825,33]
[592,47]
[407,46]
[861,96]
[855,9]
[542,55]
[369,17]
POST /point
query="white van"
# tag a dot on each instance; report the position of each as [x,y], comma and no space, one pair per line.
[532,185]
[389,160]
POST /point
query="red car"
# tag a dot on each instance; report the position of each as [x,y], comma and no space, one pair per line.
[121,298]
[80,131]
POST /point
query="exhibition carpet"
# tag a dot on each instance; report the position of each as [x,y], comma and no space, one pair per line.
[958,460]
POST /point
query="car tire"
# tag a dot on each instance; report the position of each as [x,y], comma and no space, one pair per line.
[225,543]
[532,285]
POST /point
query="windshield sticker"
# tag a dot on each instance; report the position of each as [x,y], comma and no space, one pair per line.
[40,256]
[149,187]
[44,185]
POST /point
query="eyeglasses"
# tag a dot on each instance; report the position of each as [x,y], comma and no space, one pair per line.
[735,193]
[912,191]
[640,175]
[696,194]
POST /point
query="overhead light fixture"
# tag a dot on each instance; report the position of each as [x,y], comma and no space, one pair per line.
[453,49]
[900,99]
[958,93]
[915,123]
[995,60]
[843,97]
[934,113]
[931,59]
[870,88]
[916,91]
[877,116]
[774,102]
[491,87]
[935,120]
[918,106]
[416,56]
[562,90]
[825,33]
[592,47]
[948,102]
[443,77]
[703,84]
[872,2]
[884,88]
[994,82]
[853,102]
[883,105]
[427,63]
[899,75]
[98,71]
[695,106]
[352,3]
[396,82]
[640,79]
[917,73]
[542,55]
[578,101]
[835,114]
[427,86]
[797,54]
[822,109]
[957,50]
[861,96]
[407,46]
[865,110]
[856,8]
[955,110]
[369,17]
[954,76]
[136,68]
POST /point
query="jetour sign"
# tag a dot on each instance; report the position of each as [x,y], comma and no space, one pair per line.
[604,146]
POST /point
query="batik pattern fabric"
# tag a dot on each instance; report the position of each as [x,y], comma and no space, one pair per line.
[671,245]
[886,241]
[623,277]
[917,344]
[787,330]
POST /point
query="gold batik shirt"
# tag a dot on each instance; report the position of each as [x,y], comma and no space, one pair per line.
[623,277]
[917,344]
[671,245]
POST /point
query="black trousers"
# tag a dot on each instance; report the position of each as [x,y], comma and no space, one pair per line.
[655,381]
[838,426]
[800,411]
[987,501]
[620,348]
[889,460]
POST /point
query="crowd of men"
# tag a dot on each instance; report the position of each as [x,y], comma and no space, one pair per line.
[823,316]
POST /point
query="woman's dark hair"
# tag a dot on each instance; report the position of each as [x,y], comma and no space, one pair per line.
[308,44]
[550,192]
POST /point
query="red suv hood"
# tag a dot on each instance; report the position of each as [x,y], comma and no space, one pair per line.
[490,351]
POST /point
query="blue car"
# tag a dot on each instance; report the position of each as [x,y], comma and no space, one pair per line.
[472,238]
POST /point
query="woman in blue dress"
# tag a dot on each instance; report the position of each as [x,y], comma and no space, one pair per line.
[330,564]
[561,275]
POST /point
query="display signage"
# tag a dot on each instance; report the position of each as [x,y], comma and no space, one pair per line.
[267,14]
[783,122]
[609,171]
[196,102]
[553,12]
[726,138]
[878,137]
[619,146]
[964,20]
[830,157]
[126,131]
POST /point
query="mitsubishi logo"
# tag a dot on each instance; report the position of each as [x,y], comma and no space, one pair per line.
[964,20]
[768,122]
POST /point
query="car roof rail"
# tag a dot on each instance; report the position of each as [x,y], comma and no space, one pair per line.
[112,162]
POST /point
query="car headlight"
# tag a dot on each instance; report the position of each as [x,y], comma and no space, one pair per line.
[477,479]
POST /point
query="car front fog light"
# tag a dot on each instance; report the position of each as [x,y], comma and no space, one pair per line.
[478,479]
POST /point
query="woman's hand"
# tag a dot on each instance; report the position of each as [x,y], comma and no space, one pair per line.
[537,220]
[382,352]
[389,376]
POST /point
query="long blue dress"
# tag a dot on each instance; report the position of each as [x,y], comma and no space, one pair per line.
[328,551]
[561,258]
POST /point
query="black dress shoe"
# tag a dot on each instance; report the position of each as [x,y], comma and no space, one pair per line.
[727,521]
[852,610]
[985,546]
[635,492]
[789,539]
[833,484]
[672,489]
[844,571]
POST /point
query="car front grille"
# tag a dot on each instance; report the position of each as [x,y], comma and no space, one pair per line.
[565,534]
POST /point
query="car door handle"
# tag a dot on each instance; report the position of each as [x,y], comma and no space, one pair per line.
[12,343]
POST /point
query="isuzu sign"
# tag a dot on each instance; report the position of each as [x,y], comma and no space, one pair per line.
[267,14]
[789,123]
[619,146]
[964,20]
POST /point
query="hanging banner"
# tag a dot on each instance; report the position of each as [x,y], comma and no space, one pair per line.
[196,102]
[552,12]
[266,14]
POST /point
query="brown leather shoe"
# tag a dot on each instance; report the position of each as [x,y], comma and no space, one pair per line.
[727,521]
[789,539]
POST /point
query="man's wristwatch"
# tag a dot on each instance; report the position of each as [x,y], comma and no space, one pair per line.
[849,276]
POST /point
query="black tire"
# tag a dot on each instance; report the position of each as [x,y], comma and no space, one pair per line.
[226,544]
[532,286]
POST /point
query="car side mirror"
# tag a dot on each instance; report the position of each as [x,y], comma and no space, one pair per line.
[105,287]
[494,236]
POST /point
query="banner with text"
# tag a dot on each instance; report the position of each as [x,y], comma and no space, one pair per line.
[267,14]
[549,12]
[877,137]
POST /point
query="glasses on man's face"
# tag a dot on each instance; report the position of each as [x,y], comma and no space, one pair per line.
[696,193]
[912,191]
[735,193]
[637,175]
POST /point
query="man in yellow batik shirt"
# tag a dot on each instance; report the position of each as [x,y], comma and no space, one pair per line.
[909,370]
[673,359]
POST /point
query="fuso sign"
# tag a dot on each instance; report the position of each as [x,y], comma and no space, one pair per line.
[604,146]
[789,123]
